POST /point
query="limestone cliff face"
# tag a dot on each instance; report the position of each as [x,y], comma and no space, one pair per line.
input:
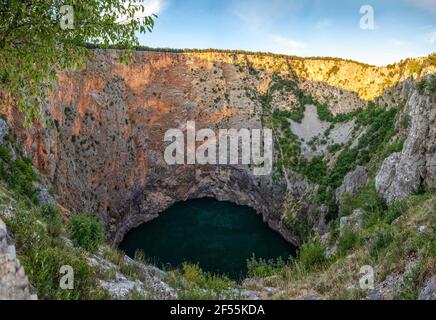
[104,149]
[403,173]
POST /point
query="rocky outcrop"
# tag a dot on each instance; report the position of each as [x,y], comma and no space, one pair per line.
[353,222]
[428,292]
[402,174]
[353,182]
[14,284]
[45,197]
[395,283]
[4,130]
[119,286]
[104,151]
[386,290]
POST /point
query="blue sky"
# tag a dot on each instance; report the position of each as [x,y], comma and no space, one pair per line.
[403,28]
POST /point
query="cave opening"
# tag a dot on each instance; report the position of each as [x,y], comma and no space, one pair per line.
[218,236]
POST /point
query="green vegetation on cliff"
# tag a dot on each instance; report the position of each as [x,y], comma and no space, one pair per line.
[396,241]
[86,232]
[378,122]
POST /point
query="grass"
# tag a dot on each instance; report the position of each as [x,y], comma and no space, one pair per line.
[311,255]
[192,283]
[42,253]
[261,268]
[391,248]
[38,233]
[348,241]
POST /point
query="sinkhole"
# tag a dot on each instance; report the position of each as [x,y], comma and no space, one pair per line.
[218,236]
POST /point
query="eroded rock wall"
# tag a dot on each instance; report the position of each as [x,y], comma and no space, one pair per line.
[403,173]
[103,151]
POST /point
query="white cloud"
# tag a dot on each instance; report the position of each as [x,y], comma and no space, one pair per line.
[154,6]
[324,23]
[287,45]
[150,7]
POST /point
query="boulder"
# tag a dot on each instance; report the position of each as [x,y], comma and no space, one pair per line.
[3,231]
[4,130]
[353,182]
[386,289]
[45,198]
[428,292]
[402,173]
[353,222]
[8,213]
[329,250]
[399,177]
[14,284]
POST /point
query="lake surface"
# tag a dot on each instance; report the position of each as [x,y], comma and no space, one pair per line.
[219,236]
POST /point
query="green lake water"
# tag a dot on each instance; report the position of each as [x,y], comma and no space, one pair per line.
[219,236]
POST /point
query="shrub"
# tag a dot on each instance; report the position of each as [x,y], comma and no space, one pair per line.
[315,170]
[345,163]
[262,268]
[431,83]
[414,67]
[392,148]
[21,177]
[42,256]
[334,148]
[311,254]
[333,232]
[203,285]
[4,154]
[86,232]
[50,213]
[348,240]
[421,86]
[53,218]
[412,281]
[367,199]
[348,204]
[394,211]
[324,113]
[381,240]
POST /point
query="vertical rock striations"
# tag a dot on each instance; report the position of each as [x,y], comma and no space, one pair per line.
[402,174]
[104,149]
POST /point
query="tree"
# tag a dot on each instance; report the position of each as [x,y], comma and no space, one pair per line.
[40,37]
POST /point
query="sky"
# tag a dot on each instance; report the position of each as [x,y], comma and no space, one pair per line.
[401,28]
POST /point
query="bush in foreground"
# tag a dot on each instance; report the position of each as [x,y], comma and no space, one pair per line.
[311,254]
[86,231]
